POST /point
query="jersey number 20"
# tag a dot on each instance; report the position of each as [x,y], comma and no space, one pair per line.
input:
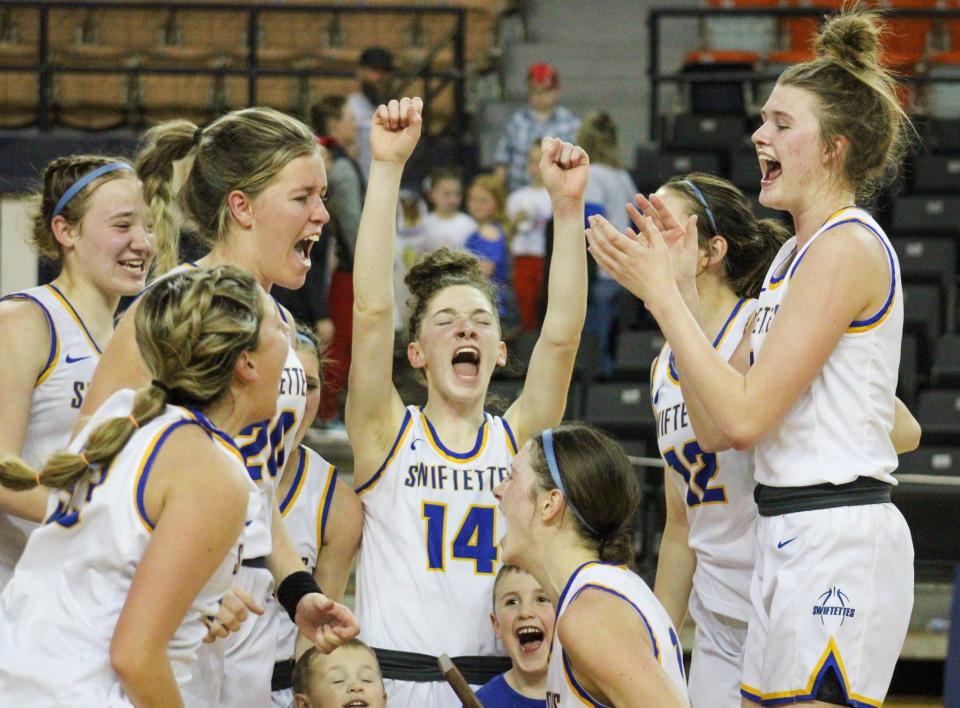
[475,540]
[698,468]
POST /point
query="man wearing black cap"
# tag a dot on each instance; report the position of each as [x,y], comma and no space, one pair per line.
[373,75]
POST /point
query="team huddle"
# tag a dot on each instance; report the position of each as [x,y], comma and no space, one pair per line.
[168,539]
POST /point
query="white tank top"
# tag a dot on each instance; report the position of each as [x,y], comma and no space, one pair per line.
[59,613]
[57,397]
[265,446]
[840,427]
[429,553]
[305,510]
[563,689]
[717,487]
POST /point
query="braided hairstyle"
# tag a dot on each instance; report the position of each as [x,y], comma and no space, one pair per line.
[191,329]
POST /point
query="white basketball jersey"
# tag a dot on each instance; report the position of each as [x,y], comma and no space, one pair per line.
[717,487]
[305,510]
[840,427]
[57,397]
[429,553]
[59,613]
[265,446]
[563,689]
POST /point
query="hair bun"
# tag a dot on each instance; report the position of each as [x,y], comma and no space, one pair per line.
[441,263]
[851,39]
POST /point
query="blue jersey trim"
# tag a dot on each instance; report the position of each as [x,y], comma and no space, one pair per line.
[148,465]
[76,316]
[404,427]
[54,338]
[575,685]
[643,617]
[458,456]
[328,502]
[721,335]
[513,440]
[295,486]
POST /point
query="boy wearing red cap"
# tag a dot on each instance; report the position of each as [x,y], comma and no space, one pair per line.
[541,118]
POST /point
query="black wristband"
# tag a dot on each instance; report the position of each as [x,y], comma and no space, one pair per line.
[292,588]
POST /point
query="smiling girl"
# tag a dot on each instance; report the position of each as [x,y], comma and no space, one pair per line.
[429,555]
[832,588]
[93,221]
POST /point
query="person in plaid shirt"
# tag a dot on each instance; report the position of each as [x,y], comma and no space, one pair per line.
[542,118]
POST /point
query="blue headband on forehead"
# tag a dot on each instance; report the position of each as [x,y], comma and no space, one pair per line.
[84,181]
[700,198]
[555,475]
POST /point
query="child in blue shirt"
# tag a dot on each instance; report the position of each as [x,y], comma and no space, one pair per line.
[523,619]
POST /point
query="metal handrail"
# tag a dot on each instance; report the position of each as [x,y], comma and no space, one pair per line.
[46,68]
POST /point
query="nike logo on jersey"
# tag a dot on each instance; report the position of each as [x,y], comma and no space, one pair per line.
[413,443]
[789,540]
[72,360]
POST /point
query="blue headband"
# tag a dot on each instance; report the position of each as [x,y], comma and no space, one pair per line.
[700,198]
[305,340]
[84,181]
[555,474]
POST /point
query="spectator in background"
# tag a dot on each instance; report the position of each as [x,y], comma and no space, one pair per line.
[446,225]
[486,204]
[528,211]
[543,118]
[334,121]
[373,75]
[411,245]
[609,188]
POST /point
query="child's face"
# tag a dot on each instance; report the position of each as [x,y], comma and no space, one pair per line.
[446,195]
[481,205]
[349,676]
[523,618]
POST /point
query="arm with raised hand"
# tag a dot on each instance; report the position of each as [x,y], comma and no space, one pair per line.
[564,167]
[374,409]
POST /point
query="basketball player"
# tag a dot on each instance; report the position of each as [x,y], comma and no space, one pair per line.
[253,185]
[92,220]
[426,475]
[321,513]
[706,551]
[107,605]
[832,589]
[569,505]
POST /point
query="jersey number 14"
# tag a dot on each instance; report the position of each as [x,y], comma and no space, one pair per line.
[475,540]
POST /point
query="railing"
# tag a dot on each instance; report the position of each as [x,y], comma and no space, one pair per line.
[434,76]
[658,77]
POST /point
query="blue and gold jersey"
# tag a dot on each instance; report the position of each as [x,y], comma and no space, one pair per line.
[76,572]
[563,689]
[305,509]
[429,553]
[265,445]
[717,487]
[59,390]
[840,427]
[57,396]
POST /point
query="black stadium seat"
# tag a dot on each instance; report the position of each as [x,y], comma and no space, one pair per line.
[635,350]
[925,260]
[926,214]
[619,408]
[938,411]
